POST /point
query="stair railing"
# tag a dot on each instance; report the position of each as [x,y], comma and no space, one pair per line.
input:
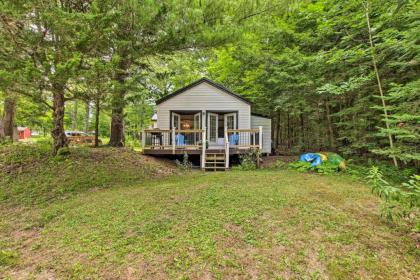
[203,149]
[226,149]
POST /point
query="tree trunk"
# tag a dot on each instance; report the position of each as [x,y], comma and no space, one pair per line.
[58,134]
[117,126]
[74,115]
[118,103]
[302,131]
[87,119]
[9,116]
[288,131]
[97,109]
[378,79]
[330,127]
[318,130]
[277,134]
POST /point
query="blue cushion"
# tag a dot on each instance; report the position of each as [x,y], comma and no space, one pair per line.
[180,139]
[233,139]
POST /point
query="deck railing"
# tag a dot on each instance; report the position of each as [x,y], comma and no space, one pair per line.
[172,138]
[157,138]
[244,138]
[185,138]
[193,138]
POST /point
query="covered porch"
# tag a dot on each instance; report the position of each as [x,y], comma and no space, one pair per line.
[202,132]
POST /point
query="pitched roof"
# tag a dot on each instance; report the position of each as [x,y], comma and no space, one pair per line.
[260,115]
[196,83]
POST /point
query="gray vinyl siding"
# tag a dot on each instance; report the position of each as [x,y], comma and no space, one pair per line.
[204,97]
[257,121]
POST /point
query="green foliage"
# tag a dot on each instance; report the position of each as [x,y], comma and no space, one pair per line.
[402,203]
[395,176]
[280,164]
[31,175]
[327,168]
[405,120]
[15,155]
[132,142]
[8,258]
[301,166]
[185,164]
[311,72]
[5,141]
[62,152]
[249,160]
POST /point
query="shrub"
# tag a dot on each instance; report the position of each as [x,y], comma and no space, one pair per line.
[249,161]
[280,164]
[301,166]
[331,164]
[390,173]
[132,142]
[401,203]
[185,164]
[5,141]
[327,168]
[65,151]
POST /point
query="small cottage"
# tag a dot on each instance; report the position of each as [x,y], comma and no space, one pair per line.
[208,119]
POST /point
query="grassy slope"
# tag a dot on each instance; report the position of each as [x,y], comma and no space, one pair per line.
[33,177]
[262,224]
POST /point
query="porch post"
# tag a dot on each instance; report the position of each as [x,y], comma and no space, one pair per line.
[173,140]
[226,149]
[203,148]
[227,155]
[260,137]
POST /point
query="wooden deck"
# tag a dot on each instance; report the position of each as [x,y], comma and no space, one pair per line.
[195,142]
[197,151]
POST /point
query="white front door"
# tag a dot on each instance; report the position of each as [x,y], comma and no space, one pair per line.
[213,123]
[176,121]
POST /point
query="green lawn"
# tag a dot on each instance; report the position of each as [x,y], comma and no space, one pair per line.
[266,224]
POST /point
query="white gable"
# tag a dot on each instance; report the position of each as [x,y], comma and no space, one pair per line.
[204,97]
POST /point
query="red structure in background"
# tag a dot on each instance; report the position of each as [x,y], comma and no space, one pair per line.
[24,133]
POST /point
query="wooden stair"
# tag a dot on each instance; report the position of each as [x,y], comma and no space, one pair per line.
[215,161]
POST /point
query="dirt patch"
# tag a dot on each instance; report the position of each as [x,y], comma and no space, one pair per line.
[315,266]
[270,161]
